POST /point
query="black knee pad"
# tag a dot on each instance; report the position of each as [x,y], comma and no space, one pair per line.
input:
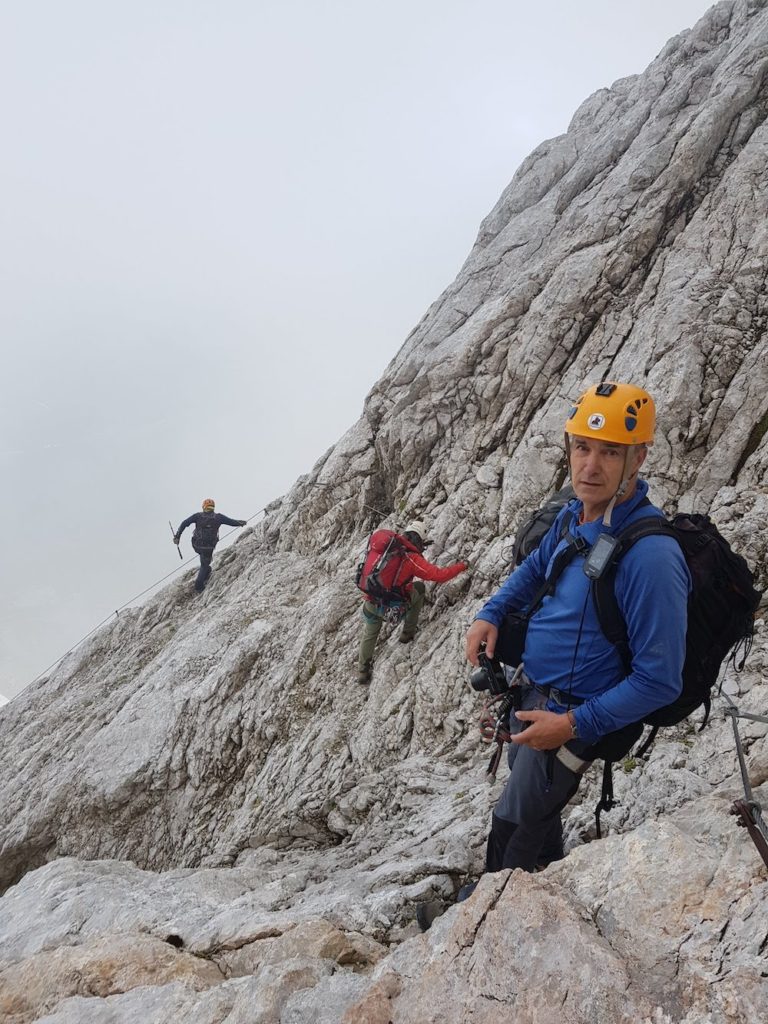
[500,834]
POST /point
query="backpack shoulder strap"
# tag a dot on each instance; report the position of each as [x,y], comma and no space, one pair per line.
[575,546]
[604,589]
[648,526]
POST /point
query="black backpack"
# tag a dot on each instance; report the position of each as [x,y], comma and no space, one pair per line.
[721,610]
[206,533]
[538,524]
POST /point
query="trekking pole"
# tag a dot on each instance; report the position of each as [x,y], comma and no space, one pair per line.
[178,547]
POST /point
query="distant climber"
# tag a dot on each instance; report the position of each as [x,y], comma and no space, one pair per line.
[206,536]
[385,576]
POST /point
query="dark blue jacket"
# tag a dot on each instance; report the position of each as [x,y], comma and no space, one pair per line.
[207,525]
[565,647]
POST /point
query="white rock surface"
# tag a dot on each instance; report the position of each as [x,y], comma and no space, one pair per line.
[207,771]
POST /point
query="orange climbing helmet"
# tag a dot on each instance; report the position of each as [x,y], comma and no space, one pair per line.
[208,504]
[619,413]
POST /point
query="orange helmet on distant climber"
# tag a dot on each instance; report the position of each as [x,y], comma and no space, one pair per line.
[619,413]
[208,505]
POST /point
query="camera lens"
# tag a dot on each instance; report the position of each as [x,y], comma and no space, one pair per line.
[479,680]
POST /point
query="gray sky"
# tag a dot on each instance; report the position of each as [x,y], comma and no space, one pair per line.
[220,222]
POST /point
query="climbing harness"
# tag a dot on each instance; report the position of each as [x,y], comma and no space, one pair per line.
[392,613]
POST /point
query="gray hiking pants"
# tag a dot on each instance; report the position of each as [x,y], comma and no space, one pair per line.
[373,620]
[526,827]
[206,557]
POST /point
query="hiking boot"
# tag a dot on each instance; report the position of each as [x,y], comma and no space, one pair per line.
[465,892]
[364,675]
[405,638]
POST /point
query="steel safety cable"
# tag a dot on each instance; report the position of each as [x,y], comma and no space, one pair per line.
[125,605]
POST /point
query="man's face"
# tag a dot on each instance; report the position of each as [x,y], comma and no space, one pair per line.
[597,468]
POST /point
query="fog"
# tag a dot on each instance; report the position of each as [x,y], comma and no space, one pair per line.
[220,224]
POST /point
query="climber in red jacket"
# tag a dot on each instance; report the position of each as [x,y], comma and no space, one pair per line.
[386,578]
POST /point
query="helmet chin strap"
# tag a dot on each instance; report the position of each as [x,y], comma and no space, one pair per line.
[621,490]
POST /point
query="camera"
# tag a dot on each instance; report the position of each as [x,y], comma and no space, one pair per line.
[504,697]
[489,675]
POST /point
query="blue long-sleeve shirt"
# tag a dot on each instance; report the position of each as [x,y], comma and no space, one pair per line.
[565,647]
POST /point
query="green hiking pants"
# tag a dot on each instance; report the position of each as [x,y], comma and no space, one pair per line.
[373,620]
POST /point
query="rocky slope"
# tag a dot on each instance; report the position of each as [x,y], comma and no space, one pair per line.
[205,817]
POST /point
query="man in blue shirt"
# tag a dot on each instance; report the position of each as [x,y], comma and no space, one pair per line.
[576,689]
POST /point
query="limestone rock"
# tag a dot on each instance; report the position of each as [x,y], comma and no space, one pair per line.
[488,477]
[207,768]
[100,968]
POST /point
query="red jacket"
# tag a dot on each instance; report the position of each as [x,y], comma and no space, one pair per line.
[424,570]
[412,564]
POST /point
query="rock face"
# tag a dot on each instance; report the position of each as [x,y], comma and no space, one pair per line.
[205,816]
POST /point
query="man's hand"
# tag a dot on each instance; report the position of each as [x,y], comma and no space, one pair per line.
[176,539]
[548,730]
[242,522]
[480,632]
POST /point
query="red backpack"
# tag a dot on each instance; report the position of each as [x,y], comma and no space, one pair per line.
[382,575]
